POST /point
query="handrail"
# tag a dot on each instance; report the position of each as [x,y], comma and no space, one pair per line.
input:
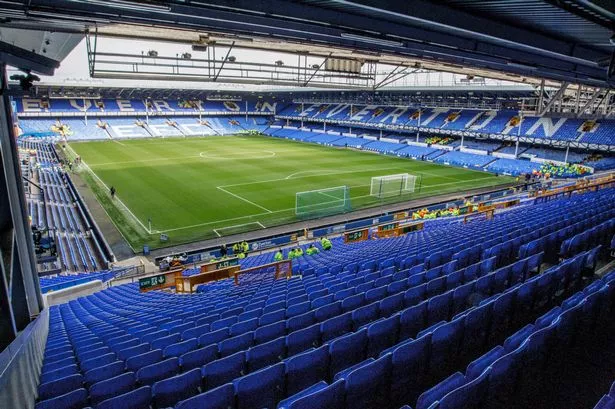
[278,269]
[580,187]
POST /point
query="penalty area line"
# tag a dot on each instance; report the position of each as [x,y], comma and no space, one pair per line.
[244,199]
[236,225]
[291,209]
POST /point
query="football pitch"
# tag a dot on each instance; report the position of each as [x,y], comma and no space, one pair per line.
[200,188]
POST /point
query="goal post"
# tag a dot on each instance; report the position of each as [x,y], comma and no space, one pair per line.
[392,185]
[322,202]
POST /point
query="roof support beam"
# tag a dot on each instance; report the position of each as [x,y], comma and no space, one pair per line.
[224,61]
[316,70]
[26,60]
[416,29]
[556,97]
[591,102]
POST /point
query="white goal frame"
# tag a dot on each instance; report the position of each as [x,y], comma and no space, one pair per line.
[392,185]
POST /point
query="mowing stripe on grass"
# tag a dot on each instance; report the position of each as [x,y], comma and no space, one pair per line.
[116,196]
[309,176]
[287,210]
[165,179]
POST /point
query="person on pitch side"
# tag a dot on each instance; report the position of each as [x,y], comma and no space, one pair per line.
[311,250]
[326,244]
[278,256]
[291,254]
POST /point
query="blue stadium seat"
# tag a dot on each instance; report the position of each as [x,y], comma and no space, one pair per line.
[104,372]
[307,368]
[58,373]
[127,353]
[235,344]
[382,334]
[325,312]
[76,399]
[195,332]
[269,332]
[139,361]
[244,326]
[468,396]
[180,348]
[162,343]
[409,369]
[136,399]
[298,309]
[336,326]
[260,389]
[222,397]
[112,387]
[412,320]
[476,367]
[224,370]
[303,339]
[169,391]
[59,386]
[365,314]
[149,374]
[266,354]
[198,357]
[322,396]
[213,337]
[347,350]
[301,321]
[437,392]
[368,386]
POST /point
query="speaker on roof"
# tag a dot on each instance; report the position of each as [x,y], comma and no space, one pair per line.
[342,65]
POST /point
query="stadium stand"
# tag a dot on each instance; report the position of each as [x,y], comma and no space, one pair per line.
[304,122]
[64,281]
[354,329]
[465,159]
[59,210]
[487,146]
[513,167]
[481,122]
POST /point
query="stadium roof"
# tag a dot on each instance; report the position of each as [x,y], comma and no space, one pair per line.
[135,89]
[560,40]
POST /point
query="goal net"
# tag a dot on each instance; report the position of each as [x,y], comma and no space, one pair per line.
[323,202]
[392,185]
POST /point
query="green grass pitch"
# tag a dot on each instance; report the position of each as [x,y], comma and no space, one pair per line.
[200,188]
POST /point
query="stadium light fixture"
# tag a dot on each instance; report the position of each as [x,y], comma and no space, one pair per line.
[522,66]
[129,5]
[371,40]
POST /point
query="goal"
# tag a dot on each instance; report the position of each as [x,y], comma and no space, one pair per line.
[323,202]
[392,185]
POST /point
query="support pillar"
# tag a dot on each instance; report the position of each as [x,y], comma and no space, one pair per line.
[20,296]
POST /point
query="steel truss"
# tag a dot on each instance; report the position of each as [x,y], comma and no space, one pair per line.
[576,101]
[226,69]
